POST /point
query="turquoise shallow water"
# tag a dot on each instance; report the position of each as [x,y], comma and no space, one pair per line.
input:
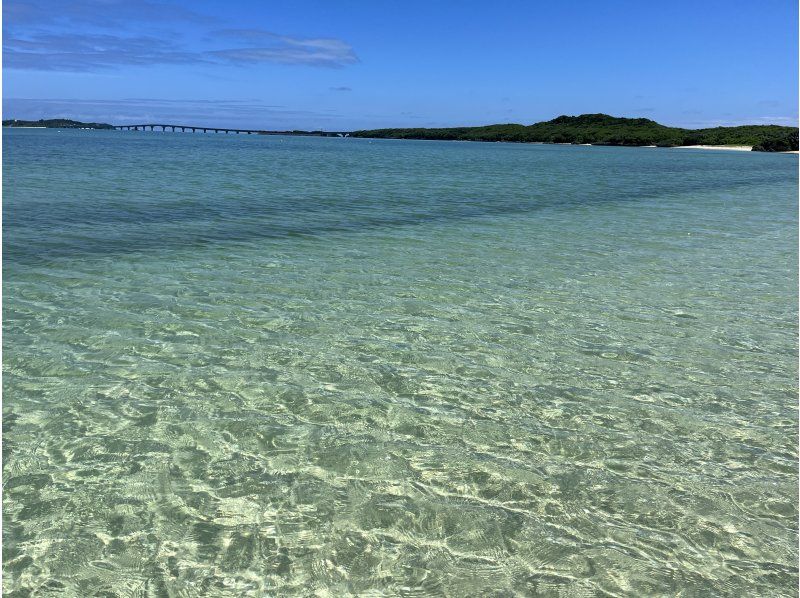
[247,366]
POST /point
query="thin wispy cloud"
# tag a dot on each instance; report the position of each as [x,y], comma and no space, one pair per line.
[86,52]
[40,35]
[117,14]
[284,49]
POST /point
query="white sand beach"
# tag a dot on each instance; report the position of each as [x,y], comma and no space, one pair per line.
[736,148]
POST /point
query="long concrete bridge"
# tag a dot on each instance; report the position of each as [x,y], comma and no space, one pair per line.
[183,129]
[195,129]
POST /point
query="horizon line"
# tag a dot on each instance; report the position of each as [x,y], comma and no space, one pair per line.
[508,123]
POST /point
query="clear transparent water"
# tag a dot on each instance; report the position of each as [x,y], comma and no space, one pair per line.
[246,366]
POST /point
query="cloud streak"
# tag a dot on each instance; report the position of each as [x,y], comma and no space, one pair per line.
[266,46]
[88,52]
[40,35]
[111,14]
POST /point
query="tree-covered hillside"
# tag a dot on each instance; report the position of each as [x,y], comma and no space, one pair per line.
[56,123]
[602,129]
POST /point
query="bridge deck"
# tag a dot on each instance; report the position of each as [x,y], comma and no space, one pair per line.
[195,128]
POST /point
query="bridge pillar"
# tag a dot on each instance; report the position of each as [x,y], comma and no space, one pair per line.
[183,129]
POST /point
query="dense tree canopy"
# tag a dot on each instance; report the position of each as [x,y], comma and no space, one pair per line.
[65,123]
[56,123]
[602,129]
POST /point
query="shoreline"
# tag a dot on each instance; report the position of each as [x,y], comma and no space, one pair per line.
[732,148]
[736,148]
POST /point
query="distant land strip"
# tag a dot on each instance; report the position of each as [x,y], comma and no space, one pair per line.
[586,129]
[602,129]
[62,123]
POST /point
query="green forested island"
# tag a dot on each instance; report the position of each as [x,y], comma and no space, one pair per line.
[56,123]
[602,129]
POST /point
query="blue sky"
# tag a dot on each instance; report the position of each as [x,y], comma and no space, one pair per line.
[353,64]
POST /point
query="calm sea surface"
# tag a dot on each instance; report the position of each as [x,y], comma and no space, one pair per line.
[248,366]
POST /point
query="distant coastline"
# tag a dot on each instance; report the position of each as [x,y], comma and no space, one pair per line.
[602,129]
[62,123]
[586,130]
[54,123]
